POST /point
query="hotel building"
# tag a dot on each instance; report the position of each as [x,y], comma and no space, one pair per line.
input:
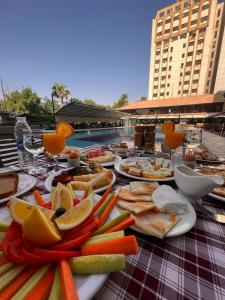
[186,49]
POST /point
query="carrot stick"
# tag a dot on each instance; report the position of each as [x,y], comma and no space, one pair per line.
[123,245]
[102,199]
[123,225]
[16,284]
[108,210]
[43,288]
[38,198]
[68,289]
[3,260]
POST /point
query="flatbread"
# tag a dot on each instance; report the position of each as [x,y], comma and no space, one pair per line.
[125,194]
[156,224]
[136,207]
[143,188]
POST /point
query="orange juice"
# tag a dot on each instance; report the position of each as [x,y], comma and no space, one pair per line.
[174,139]
[54,143]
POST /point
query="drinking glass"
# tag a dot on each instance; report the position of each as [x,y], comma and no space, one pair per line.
[54,144]
[33,143]
[173,140]
[192,138]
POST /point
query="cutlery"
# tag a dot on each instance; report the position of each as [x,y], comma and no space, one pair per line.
[216,217]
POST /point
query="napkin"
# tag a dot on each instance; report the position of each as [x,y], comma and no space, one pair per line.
[168,201]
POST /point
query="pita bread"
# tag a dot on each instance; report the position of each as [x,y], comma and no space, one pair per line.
[156,224]
[125,194]
[136,207]
[143,188]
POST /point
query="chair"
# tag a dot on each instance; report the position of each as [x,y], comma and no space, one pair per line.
[8,152]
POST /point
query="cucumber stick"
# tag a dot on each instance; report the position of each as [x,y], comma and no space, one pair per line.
[4,268]
[95,264]
[10,275]
[112,223]
[55,293]
[104,237]
[30,284]
[3,226]
[104,205]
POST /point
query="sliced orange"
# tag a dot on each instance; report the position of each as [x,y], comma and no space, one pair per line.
[167,127]
[64,129]
[19,209]
[38,229]
[62,197]
[76,215]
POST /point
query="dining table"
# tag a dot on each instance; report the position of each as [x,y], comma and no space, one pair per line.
[189,266]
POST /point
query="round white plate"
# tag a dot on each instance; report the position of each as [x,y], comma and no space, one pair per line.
[117,168]
[106,164]
[217,197]
[219,161]
[49,179]
[26,182]
[87,285]
[185,224]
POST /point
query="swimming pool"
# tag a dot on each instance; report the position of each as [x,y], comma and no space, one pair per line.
[106,136]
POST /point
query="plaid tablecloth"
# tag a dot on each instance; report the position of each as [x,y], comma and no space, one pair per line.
[191,266]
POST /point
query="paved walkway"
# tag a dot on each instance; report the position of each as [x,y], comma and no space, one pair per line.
[215,143]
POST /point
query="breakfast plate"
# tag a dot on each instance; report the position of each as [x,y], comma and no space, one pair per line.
[87,285]
[26,182]
[117,167]
[186,222]
[49,180]
[106,164]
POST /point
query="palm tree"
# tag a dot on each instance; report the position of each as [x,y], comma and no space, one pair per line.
[59,90]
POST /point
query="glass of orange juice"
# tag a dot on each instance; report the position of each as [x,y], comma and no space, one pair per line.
[174,139]
[54,143]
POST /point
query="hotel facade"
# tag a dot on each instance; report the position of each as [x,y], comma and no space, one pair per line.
[187,50]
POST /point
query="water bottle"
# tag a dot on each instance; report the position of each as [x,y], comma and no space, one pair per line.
[21,127]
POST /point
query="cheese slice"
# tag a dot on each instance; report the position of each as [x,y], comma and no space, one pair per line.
[136,207]
[124,193]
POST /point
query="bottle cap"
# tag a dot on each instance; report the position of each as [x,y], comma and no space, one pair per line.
[21,119]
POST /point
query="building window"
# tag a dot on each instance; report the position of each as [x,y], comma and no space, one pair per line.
[189,63]
[198,62]
[155,87]
[169,68]
[170,58]
[156,70]
[191,43]
[180,83]
[205,6]
[157,53]
[200,41]
[159,33]
[181,74]
[186,14]
[168,12]
[195,81]
[171,49]
[177,8]
[161,14]
[217,24]
[182,65]
[157,61]
[154,95]
[183,36]
[187,73]
[189,53]
[183,55]
[174,38]
[211,64]
[199,51]
[202,29]
[194,90]
[167,93]
[196,71]
[187,4]
[212,54]
[175,28]
[186,82]
[156,78]
[218,13]
[162,94]
[168,85]
[176,18]
[185,91]
[162,86]
[165,50]
[164,69]
[160,23]
[203,19]
[168,21]
[215,34]
[194,11]
[169,76]
[184,45]
[194,22]
[163,77]
[178,92]
[167,31]
[209,73]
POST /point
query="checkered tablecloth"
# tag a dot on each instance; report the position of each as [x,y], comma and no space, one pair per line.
[191,266]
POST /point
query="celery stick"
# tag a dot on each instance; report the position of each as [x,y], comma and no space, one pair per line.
[3,226]
[30,284]
[55,293]
[95,264]
[104,237]
[104,205]
[52,192]
[4,268]
[112,223]
[10,276]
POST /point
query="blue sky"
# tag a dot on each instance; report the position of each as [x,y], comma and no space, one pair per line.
[98,48]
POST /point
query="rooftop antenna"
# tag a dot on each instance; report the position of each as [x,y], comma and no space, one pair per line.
[3,93]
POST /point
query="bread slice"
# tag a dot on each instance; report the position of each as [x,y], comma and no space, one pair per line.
[136,207]
[8,184]
[143,188]
[125,194]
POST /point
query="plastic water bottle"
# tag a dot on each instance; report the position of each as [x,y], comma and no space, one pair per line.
[21,127]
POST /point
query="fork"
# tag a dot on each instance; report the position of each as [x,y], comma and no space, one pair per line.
[216,217]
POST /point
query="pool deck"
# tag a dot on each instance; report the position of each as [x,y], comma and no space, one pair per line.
[215,143]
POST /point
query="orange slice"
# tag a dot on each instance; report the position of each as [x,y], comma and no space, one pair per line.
[167,127]
[38,229]
[20,209]
[76,215]
[64,129]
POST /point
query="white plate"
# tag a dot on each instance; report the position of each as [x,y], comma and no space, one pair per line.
[106,164]
[217,197]
[185,224]
[117,168]
[26,182]
[219,161]
[87,285]
[49,179]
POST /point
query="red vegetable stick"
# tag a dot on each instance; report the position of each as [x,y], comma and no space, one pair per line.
[38,198]
[102,199]
[87,228]
[69,291]
[108,210]
[1,247]
[78,228]
[124,245]
[53,255]
[73,243]
[43,288]
[17,283]
[123,225]
[3,260]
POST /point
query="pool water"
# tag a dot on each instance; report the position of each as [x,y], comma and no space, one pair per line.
[106,136]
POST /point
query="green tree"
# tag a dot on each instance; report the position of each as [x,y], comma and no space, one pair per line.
[77,100]
[89,102]
[47,104]
[59,90]
[121,102]
[143,99]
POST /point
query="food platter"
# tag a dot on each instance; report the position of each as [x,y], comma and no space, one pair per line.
[186,222]
[143,159]
[106,164]
[49,179]
[26,182]
[87,285]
